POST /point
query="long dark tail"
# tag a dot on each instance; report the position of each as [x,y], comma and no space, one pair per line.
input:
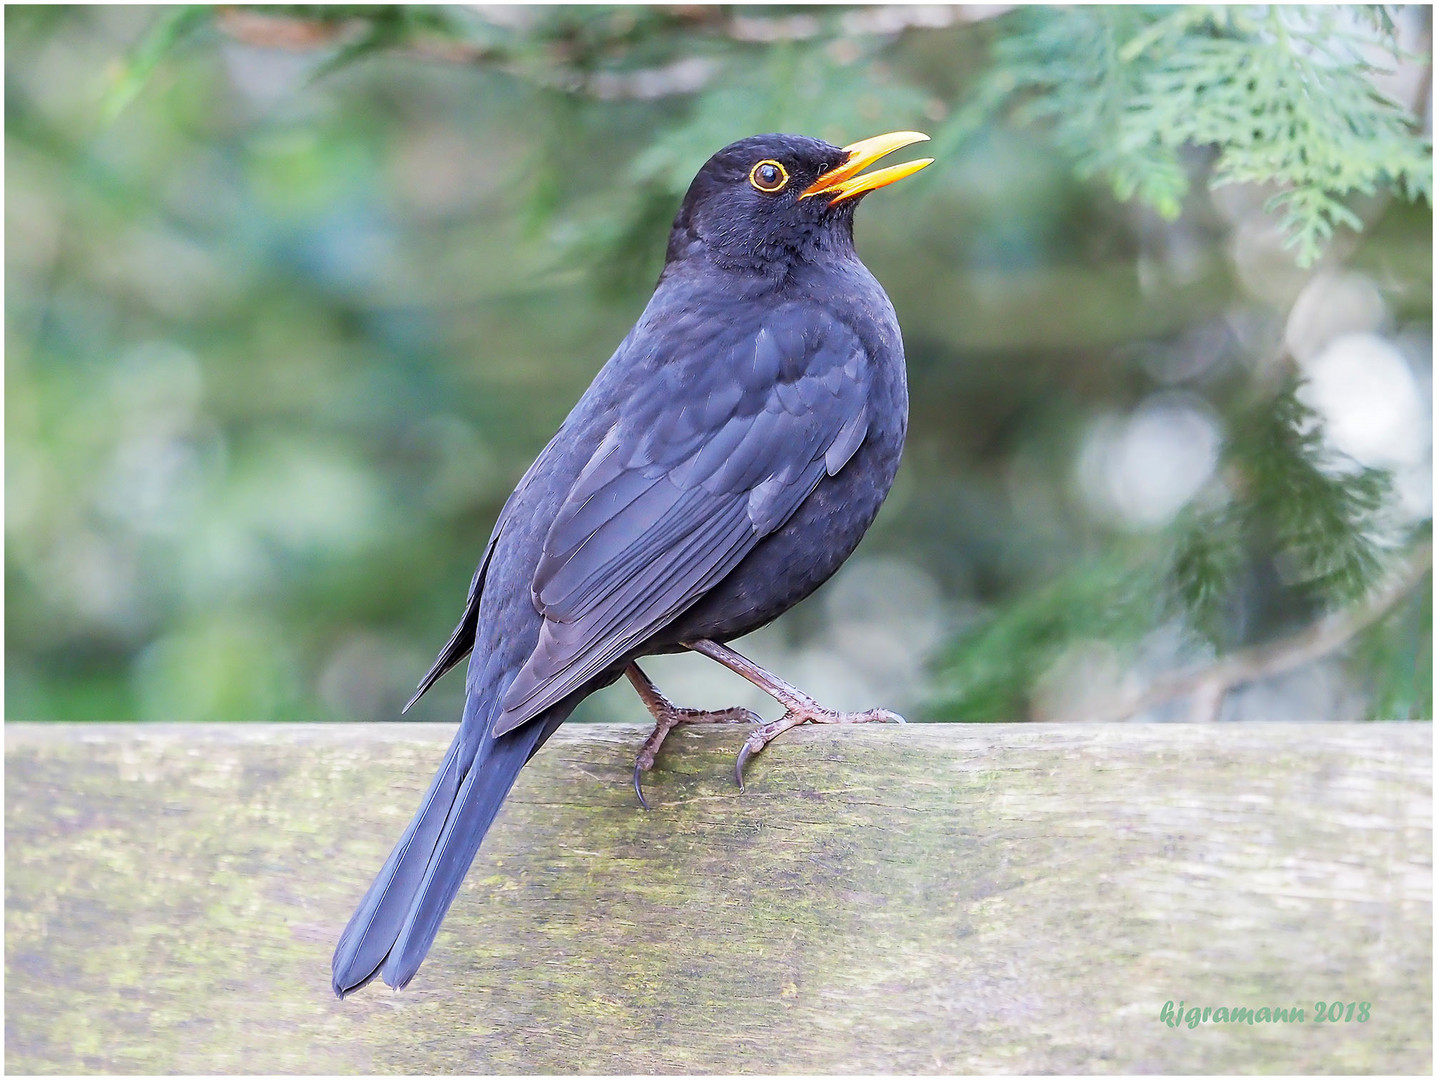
[395,924]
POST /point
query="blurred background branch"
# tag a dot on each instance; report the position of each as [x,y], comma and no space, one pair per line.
[1280,95]
[1207,686]
[294,294]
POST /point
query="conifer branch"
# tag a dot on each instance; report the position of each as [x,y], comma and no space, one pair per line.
[298,32]
[1209,685]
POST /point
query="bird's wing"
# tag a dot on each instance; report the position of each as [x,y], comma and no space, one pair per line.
[462,640]
[683,486]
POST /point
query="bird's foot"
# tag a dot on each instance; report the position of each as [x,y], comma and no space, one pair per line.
[804,711]
[799,707]
[668,716]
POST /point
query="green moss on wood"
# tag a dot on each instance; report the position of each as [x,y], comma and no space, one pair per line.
[930,899]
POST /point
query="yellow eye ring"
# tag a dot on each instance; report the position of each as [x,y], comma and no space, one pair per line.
[768,176]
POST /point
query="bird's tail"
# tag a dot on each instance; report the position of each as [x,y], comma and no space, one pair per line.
[395,924]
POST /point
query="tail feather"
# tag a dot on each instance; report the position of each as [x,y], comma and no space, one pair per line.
[399,916]
[373,928]
[475,808]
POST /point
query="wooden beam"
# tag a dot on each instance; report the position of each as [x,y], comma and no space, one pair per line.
[935,898]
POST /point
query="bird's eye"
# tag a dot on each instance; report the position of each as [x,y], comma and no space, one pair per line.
[768,176]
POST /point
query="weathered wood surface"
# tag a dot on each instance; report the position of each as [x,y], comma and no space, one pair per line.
[925,899]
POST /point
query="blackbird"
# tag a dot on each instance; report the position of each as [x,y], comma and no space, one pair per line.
[721,466]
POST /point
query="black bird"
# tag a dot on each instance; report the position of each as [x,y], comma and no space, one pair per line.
[721,466]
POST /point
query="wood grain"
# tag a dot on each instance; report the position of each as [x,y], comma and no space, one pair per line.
[936,898]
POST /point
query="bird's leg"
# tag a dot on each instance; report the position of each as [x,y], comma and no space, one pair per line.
[801,709]
[668,716]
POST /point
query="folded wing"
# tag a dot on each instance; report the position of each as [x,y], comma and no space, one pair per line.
[683,486]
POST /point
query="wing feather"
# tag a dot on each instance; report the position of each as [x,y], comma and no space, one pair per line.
[461,642]
[693,475]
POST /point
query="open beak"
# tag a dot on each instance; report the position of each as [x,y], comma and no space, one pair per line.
[845,182]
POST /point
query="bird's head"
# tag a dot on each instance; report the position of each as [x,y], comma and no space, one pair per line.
[766,201]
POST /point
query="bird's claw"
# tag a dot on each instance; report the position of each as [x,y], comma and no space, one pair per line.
[766,734]
[639,785]
[670,716]
[744,754]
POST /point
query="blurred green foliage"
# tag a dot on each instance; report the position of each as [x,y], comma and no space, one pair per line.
[1280,94]
[295,294]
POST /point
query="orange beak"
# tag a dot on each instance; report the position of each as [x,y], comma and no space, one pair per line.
[845,182]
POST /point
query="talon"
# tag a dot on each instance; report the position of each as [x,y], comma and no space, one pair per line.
[639,785]
[743,755]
